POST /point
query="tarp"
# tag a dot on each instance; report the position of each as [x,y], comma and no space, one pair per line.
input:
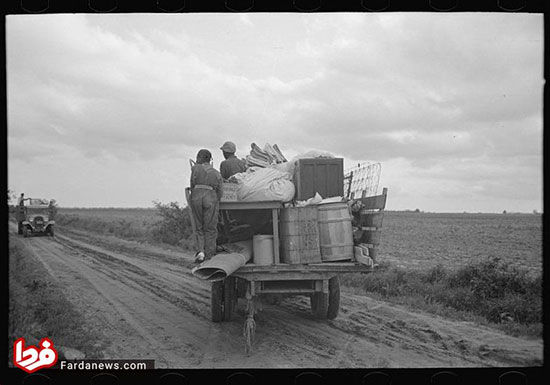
[223,265]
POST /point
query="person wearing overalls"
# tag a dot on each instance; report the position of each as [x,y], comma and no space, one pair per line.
[206,192]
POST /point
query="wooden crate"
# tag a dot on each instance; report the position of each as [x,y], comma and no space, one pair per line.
[229,192]
[322,175]
[299,235]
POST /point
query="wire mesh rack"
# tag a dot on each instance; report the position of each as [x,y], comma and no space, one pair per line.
[362,180]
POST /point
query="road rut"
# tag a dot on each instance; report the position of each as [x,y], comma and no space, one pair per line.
[147,305]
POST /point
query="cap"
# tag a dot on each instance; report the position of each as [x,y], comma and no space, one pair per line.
[229,147]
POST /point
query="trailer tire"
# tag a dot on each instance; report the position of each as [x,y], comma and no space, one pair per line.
[229,294]
[319,305]
[333,297]
[216,301]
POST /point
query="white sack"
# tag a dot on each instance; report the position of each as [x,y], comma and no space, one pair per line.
[265,184]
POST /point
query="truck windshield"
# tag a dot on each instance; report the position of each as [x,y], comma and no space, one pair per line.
[38,202]
[37,211]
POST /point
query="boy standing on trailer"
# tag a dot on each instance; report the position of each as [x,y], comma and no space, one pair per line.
[206,192]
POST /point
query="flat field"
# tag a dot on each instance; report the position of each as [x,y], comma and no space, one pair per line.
[409,239]
[133,223]
[420,240]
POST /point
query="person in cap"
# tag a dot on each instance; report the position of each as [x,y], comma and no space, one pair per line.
[206,192]
[231,165]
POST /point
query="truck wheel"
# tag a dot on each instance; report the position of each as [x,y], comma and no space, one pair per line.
[319,305]
[333,297]
[25,232]
[51,232]
[229,296]
[19,228]
[216,303]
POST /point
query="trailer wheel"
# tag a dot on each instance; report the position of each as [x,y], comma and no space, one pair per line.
[319,305]
[216,301]
[333,297]
[229,296]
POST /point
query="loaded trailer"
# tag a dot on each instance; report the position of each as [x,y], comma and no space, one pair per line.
[311,245]
[317,280]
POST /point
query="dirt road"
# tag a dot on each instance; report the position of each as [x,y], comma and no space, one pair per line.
[147,304]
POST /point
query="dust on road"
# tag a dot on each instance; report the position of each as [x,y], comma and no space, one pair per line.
[147,305]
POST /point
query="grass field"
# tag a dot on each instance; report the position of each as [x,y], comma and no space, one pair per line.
[135,224]
[409,239]
[421,240]
[470,267]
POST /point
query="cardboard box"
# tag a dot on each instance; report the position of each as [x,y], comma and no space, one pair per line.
[229,192]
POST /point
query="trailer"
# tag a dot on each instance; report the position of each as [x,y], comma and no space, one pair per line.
[319,281]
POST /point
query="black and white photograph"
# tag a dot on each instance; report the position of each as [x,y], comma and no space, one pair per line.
[275,190]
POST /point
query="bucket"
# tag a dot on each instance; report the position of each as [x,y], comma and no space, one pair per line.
[335,232]
[262,246]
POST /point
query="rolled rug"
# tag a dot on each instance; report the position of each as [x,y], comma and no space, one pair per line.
[274,154]
[259,153]
[276,148]
[223,265]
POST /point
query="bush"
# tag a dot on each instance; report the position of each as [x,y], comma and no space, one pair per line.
[175,226]
[435,274]
[490,288]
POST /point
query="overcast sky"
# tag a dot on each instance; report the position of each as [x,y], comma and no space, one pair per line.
[106,110]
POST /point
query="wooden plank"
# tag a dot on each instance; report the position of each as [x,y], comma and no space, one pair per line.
[324,286]
[295,267]
[276,256]
[371,219]
[377,202]
[334,264]
[284,276]
[250,205]
[286,291]
[362,258]
[281,270]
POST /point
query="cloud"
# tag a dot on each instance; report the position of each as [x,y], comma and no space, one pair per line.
[422,89]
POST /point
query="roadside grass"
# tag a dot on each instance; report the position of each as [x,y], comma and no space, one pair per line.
[490,292]
[166,223]
[38,308]
[499,293]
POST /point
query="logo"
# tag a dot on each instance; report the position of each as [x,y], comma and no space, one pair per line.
[31,359]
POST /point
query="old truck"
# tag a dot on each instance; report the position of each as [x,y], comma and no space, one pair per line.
[35,216]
